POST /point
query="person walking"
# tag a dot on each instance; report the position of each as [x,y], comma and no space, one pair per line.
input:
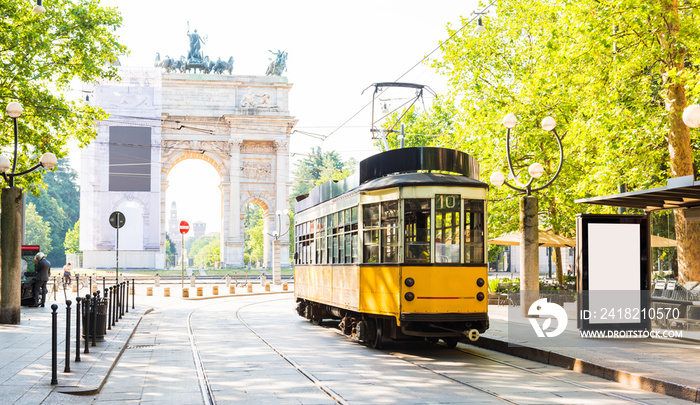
[42,267]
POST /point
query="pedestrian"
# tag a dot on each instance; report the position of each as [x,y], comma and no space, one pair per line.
[66,273]
[568,270]
[42,267]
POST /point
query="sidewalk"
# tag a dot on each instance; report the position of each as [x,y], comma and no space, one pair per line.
[25,349]
[665,366]
[25,354]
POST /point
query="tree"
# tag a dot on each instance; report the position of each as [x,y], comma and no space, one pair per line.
[613,74]
[72,241]
[41,54]
[58,204]
[37,231]
[317,168]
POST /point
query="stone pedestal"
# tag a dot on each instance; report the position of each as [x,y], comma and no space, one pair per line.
[529,259]
[11,246]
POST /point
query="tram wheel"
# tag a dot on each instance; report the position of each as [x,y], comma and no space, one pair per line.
[451,342]
[315,321]
[378,337]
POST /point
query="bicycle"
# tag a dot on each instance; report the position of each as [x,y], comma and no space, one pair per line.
[65,286]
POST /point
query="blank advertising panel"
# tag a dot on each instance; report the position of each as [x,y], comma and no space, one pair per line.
[129,159]
[613,272]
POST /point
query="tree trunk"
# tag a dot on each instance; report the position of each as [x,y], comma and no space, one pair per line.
[560,266]
[680,151]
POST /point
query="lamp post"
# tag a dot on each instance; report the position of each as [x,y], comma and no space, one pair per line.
[529,238]
[276,235]
[11,225]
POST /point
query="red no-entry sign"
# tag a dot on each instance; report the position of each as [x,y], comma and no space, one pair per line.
[184,227]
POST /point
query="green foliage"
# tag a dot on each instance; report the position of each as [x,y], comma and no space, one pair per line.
[205,251]
[40,55]
[605,86]
[254,238]
[71,242]
[58,204]
[318,168]
[37,231]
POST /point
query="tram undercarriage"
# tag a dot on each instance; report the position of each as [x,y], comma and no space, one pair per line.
[372,329]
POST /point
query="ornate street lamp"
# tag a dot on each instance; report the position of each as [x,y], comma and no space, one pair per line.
[11,225]
[38,8]
[529,239]
[276,235]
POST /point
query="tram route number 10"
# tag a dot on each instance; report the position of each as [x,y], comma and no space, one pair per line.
[447,201]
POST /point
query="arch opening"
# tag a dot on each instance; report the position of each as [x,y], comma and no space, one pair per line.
[194,194]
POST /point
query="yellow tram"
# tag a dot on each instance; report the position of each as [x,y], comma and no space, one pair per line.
[398,250]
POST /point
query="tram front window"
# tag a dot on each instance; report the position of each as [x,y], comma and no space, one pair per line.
[474,231]
[447,228]
[417,230]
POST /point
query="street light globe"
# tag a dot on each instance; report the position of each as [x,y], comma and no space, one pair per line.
[691,116]
[497,179]
[4,164]
[548,123]
[510,120]
[14,109]
[285,212]
[536,170]
[479,29]
[48,160]
[39,9]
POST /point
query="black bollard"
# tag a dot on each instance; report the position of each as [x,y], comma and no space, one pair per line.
[121,300]
[54,344]
[133,293]
[104,285]
[109,306]
[77,329]
[90,284]
[107,299]
[114,304]
[77,283]
[93,321]
[66,369]
[127,296]
[86,315]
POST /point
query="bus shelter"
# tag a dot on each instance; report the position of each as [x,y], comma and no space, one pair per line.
[614,255]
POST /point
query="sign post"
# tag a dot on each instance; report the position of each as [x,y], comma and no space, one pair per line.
[117,220]
[184,228]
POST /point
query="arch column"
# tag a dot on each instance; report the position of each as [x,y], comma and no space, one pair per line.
[233,234]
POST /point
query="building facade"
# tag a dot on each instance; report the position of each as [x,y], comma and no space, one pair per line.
[241,125]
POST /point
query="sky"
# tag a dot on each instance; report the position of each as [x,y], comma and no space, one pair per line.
[336,50]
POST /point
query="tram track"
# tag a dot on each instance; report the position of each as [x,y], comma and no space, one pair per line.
[209,398]
[204,384]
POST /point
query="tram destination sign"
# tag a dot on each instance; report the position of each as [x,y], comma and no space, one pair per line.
[446,202]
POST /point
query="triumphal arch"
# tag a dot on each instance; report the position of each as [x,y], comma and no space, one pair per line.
[241,125]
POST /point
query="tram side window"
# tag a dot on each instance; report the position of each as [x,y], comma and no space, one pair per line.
[297,244]
[370,219]
[390,231]
[354,239]
[417,230]
[474,231]
[341,237]
[329,239]
[447,207]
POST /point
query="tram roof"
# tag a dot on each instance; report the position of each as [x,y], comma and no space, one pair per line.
[401,167]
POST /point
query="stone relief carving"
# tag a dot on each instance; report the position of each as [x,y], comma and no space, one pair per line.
[251,100]
[257,147]
[255,169]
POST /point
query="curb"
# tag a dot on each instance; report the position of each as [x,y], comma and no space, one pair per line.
[656,385]
[91,390]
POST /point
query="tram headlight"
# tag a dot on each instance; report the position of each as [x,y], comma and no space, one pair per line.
[409,296]
[480,296]
[409,282]
[480,282]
